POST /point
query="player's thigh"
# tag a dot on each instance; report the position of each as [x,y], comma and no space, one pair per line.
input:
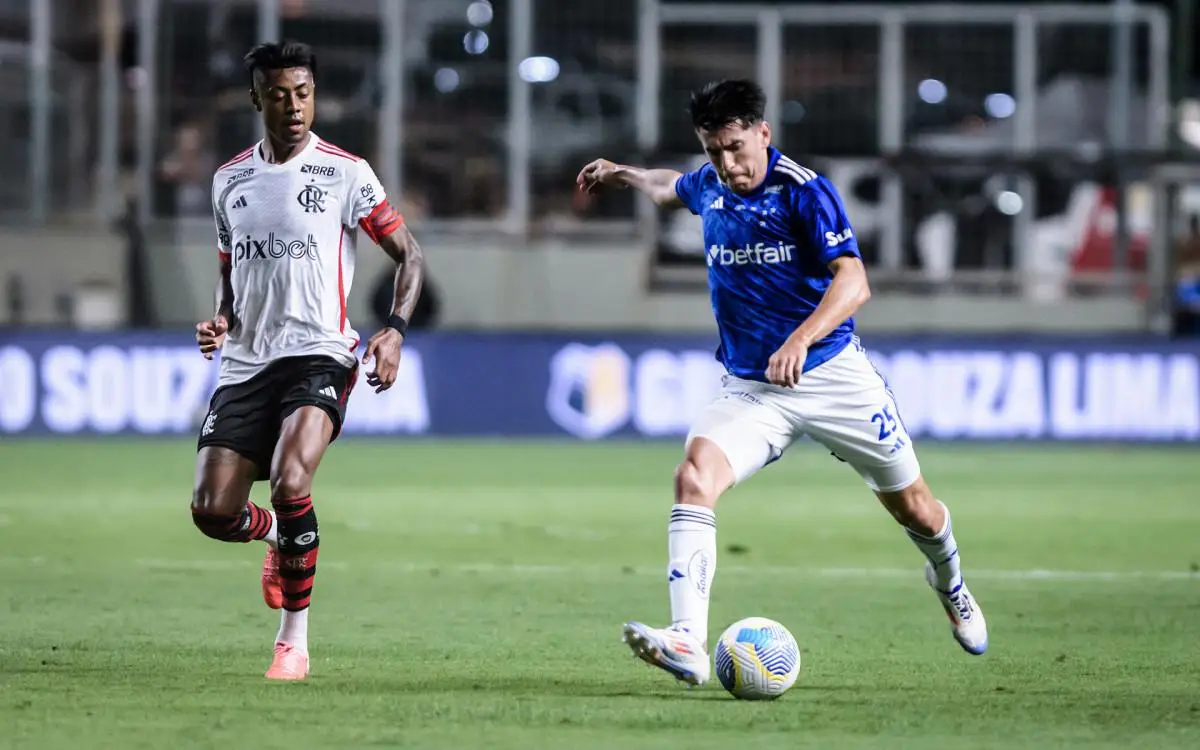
[321,382]
[241,421]
[848,408]
[303,438]
[313,410]
[746,425]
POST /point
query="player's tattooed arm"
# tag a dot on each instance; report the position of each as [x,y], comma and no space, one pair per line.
[384,347]
[659,184]
[402,247]
[848,292]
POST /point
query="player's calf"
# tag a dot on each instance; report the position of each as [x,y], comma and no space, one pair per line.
[692,535]
[299,544]
[915,508]
[927,522]
[299,541]
[304,436]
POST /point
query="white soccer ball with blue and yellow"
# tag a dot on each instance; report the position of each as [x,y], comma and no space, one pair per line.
[757,659]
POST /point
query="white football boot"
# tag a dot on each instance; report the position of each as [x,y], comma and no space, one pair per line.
[677,652]
[966,618]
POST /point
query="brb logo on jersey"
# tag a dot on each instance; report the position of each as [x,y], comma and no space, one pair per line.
[751,255]
[275,248]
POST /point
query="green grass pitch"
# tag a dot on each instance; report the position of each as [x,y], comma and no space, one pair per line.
[471,594]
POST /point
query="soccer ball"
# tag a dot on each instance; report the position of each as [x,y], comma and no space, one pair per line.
[757,659]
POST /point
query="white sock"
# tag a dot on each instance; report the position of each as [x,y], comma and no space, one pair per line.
[692,549]
[293,629]
[272,537]
[942,550]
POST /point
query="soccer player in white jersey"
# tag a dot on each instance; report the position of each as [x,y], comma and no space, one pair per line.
[290,211]
[786,279]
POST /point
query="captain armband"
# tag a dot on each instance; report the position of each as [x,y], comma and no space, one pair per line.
[381,222]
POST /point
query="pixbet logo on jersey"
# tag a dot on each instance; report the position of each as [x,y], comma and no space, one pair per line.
[274,248]
[750,255]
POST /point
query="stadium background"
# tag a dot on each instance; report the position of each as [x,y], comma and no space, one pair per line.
[1022,178]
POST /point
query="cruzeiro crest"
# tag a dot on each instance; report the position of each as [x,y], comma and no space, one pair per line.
[313,199]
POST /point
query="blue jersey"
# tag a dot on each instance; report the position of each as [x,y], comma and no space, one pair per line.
[768,259]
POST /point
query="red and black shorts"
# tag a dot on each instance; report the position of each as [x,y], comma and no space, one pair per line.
[246,417]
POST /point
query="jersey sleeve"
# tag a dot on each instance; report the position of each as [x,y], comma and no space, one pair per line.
[368,207]
[822,221]
[365,193]
[224,240]
[689,186]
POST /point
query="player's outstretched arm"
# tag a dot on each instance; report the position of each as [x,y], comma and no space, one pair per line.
[384,347]
[659,184]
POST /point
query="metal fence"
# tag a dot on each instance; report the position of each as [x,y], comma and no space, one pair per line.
[971,141]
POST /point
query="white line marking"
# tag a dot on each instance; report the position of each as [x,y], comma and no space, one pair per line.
[522,569]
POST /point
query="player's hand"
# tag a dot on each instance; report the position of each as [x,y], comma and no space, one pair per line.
[384,348]
[594,175]
[210,334]
[785,366]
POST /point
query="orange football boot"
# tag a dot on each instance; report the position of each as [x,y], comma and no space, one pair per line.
[290,663]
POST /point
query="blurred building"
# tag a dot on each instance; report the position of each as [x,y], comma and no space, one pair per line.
[1007,166]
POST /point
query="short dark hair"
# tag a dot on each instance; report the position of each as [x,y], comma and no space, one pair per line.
[723,103]
[280,55]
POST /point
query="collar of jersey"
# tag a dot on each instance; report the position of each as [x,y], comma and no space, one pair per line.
[259,161]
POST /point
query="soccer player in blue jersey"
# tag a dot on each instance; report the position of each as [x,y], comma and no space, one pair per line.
[786,279]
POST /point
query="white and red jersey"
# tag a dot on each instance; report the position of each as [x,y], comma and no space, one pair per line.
[291,231]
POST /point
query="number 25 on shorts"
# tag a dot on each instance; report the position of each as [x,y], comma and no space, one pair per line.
[887,422]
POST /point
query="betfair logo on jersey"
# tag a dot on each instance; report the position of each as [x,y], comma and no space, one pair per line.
[274,248]
[751,255]
[833,239]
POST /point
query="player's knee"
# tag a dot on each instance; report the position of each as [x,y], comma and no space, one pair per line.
[290,480]
[694,486]
[211,499]
[214,517]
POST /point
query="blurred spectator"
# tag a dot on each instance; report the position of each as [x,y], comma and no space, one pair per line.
[1187,282]
[424,316]
[187,171]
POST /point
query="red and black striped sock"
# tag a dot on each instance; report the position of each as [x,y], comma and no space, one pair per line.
[252,524]
[298,546]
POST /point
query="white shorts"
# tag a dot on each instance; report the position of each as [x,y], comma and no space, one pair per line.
[844,404]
